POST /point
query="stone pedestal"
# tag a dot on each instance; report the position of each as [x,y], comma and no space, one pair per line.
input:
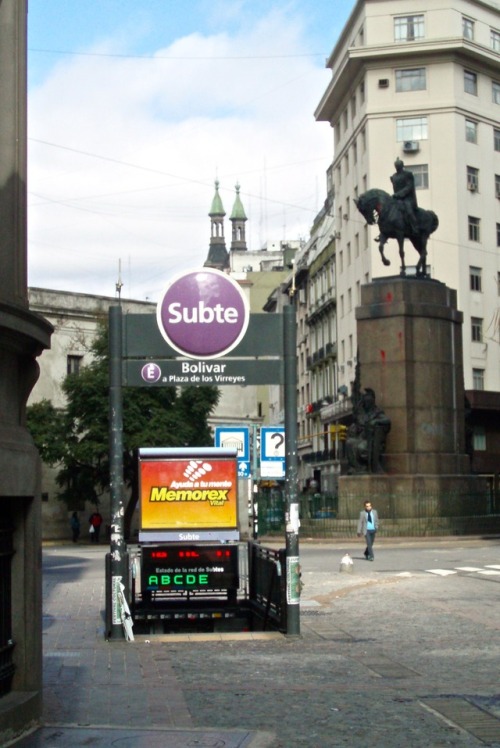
[410,354]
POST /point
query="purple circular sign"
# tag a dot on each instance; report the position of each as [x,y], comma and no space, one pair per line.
[151,373]
[203,313]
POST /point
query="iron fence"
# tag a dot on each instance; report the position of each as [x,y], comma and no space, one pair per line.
[419,514]
[267,585]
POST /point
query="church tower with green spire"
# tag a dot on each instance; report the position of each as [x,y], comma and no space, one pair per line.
[218,256]
[238,220]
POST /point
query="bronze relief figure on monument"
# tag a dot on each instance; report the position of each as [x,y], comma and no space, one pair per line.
[366,436]
[409,339]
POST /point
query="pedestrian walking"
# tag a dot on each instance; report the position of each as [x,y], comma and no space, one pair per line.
[75,527]
[95,521]
[367,527]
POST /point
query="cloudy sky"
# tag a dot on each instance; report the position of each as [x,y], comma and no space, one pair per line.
[137,106]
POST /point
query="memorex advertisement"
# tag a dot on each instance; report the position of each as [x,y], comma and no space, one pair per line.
[188,494]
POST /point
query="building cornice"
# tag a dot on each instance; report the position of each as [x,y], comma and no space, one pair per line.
[357,59]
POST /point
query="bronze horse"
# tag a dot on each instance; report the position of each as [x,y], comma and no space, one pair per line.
[377,206]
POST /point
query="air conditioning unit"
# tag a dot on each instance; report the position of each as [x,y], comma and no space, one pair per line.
[383,83]
[411,146]
[472,186]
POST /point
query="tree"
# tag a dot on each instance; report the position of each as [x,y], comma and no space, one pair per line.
[75,438]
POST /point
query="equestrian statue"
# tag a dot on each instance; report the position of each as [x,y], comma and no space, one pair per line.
[399,217]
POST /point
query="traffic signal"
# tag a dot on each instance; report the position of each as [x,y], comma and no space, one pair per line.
[339,430]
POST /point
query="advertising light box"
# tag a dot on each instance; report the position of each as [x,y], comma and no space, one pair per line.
[188,494]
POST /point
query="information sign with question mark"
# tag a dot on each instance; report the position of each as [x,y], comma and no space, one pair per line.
[272,463]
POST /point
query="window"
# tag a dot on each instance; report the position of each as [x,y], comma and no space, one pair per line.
[73,364]
[496,139]
[476,329]
[468,28]
[474,228]
[410,80]
[478,379]
[411,128]
[478,437]
[408,28]
[470,82]
[475,279]
[472,179]
[495,40]
[470,131]
[497,185]
[362,92]
[421,175]
[353,107]
[495,91]
[498,234]
[329,180]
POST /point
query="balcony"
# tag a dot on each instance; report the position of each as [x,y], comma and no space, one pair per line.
[324,353]
[322,308]
[323,455]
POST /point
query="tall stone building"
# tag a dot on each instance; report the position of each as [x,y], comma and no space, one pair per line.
[422,84]
[23,336]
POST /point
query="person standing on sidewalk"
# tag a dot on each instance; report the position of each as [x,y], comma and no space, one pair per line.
[367,527]
[75,527]
[95,521]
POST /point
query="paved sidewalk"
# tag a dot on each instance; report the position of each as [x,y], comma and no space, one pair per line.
[383,660]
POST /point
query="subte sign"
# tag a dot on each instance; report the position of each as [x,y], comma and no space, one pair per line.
[203,314]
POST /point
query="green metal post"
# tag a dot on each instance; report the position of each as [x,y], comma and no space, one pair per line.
[118,555]
[293,583]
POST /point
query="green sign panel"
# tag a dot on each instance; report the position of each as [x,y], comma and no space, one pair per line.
[142,338]
[148,360]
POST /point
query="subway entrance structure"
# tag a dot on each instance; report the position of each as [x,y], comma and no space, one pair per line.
[203,334]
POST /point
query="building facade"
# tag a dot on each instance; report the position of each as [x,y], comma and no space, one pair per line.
[422,84]
[76,319]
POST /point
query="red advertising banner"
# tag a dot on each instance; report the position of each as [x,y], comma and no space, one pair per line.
[188,494]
